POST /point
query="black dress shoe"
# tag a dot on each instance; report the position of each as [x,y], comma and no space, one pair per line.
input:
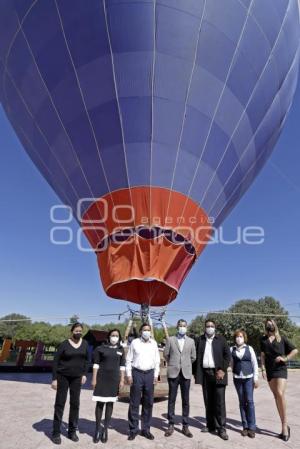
[147,434]
[223,435]
[186,431]
[56,439]
[170,430]
[206,430]
[73,437]
[104,436]
[131,436]
[287,437]
[97,435]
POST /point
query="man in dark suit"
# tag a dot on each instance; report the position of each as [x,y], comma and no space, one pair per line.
[210,370]
[180,353]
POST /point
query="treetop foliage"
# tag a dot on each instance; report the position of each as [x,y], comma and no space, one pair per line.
[247,314]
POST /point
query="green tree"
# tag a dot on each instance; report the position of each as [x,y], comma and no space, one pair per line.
[37,331]
[74,319]
[159,333]
[12,323]
[296,340]
[196,326]
[250,315]
[58,333]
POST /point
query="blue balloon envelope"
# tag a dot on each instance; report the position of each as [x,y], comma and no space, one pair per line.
[153,116]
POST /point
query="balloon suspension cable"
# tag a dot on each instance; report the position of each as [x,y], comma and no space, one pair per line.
[147,315]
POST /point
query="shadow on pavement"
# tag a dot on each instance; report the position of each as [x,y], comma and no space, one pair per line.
[34,378]
[87,426]
[45,426]
[233,425]
[38,378]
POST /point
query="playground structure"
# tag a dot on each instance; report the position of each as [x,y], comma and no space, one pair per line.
[26,355]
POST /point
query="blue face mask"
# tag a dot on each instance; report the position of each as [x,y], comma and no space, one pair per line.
[146,335]
[182,330]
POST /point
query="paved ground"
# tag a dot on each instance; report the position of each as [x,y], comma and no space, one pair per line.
[27,407]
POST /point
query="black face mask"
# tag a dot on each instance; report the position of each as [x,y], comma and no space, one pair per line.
[77,336]
[270,327]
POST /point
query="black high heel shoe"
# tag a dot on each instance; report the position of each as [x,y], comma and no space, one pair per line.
[286,437]
[104,436]
[98,435]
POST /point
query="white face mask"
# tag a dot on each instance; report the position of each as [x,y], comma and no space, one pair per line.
[146,335]
[239,341]
[182,330]
[210,331]
[114,340]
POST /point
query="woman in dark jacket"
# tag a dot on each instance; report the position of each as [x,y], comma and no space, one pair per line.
[276,351]
[70,368]
[108,377]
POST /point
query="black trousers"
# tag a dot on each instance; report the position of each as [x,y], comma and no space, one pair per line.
[141,388]
[185,397]
[65,383]
[214,400]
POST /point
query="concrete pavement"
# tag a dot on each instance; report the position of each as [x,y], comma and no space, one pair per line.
[27,409]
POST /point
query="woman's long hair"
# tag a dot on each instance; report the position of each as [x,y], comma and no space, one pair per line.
[276,333]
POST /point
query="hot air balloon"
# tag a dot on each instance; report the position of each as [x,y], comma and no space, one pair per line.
[149,118]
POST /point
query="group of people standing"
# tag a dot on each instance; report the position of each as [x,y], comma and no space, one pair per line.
[206,358]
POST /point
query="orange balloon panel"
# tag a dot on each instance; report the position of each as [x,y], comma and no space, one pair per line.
[144,255]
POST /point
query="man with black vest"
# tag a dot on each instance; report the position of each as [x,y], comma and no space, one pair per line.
[180,353]
[210,370]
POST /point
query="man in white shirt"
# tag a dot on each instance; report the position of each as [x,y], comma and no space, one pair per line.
[142,370]
[208,357]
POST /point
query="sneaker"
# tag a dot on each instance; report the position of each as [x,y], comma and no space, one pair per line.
[244,432]
[251,433]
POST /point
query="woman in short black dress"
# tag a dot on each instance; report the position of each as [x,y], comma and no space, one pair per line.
[108,377]
[276,351]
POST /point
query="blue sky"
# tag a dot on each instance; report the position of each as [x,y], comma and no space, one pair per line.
[46,281]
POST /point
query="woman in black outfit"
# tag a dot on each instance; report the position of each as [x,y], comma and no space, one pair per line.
[70,368]
[108,377]
[276,351]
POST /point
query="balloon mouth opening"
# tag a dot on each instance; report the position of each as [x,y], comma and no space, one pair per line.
[140,270]
[146,233]
[151,291]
